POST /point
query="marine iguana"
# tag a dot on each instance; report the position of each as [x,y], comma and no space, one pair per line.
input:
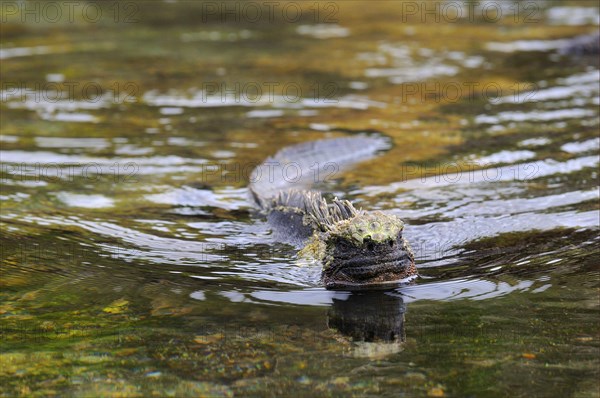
[357,249]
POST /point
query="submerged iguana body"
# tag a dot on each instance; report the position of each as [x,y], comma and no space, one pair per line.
[356,248]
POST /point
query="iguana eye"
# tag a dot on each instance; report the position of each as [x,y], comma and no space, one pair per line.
[391,242]
[343,245]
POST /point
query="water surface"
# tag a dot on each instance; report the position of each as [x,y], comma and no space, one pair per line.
[133,263]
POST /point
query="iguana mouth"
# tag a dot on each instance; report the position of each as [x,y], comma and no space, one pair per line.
[370,276]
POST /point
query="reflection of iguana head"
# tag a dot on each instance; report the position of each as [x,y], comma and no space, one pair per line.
[366,250]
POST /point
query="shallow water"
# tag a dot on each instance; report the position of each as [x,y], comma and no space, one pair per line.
[133,263]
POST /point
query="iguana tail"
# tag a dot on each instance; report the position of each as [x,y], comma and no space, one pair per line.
[300,167]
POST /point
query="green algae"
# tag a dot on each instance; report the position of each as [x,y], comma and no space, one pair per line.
[375,226]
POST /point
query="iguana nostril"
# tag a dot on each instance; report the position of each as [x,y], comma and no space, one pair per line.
[391,243]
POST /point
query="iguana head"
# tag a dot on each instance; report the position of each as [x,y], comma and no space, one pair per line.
[365,251]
